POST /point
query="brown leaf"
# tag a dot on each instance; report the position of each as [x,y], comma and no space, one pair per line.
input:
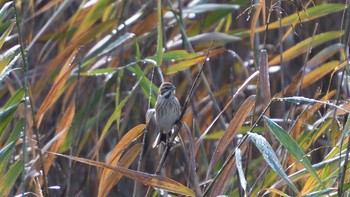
[313,76]
[253,24]
[231,131]
[63,126]
[114,177]
[118,150]
[144,178]
[55,91]
[243,86]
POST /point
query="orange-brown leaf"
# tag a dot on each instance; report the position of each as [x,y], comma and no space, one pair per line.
[183,65]
[63,126]
[144,178]
[314,75]
[253,24]
[119,148]
[114,177]
[232,130]
[53,95]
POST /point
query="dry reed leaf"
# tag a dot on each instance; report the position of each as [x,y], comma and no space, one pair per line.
[64,126]
[118,150]
[312,77]
[240,89]
[144,178]
[275,191]
[114,177]
[320,72]
[289,91]
[55,91]
[145,25]
[84,39]
[183,65]
[231,131]
[253,24]
[303,46]
[94,14]
[45,8]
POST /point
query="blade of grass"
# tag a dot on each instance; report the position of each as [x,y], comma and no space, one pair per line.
[292,147]
[6,34]
[9,179]
[8,56]
[242,180]
[271,158]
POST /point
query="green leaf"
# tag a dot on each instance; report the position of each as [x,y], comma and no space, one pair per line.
[271,158]
[303,46]
[92,16]
[8,69]
[300,17]
[107,44]
[176,55]
[6,116]
[308,14]
[5,154]
[6,34]
[15,98]
[9,179]
[5,10]
[207,38]
[148,88]
[292,147]
[207,22]
[9,109]
[15,134]
[8,56]
[324,192]
[100,72]
[116,114]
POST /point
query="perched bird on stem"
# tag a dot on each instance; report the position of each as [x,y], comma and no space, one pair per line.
[167,112]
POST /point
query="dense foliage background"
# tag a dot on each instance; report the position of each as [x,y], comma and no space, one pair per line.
[268,115]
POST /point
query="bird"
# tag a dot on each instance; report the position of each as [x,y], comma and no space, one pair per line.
[167,112]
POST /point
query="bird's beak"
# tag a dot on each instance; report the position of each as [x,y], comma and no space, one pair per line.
[173,88]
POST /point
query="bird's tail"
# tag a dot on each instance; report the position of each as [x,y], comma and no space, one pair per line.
[162,138]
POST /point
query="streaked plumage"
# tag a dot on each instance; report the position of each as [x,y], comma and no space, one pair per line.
[167,111]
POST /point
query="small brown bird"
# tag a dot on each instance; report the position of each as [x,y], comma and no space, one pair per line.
[168,111]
